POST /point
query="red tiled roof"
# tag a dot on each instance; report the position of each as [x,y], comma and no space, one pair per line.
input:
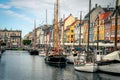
[104,15]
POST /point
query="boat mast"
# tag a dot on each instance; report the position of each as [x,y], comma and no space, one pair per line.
[88,26]
[63,31]
[34,35]
[56,28]
[116,24]
[46,33]
[80,28]
[98,33]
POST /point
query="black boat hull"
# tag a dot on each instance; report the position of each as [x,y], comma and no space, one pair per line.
[34,52]
[58,61]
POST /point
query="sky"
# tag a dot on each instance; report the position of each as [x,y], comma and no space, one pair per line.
[20,14]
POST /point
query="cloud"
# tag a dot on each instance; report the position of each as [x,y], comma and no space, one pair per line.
[21,16]
[7,10]
[27,10]
[5,6]
[37,7]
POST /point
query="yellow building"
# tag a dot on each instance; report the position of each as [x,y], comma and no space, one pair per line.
[85,34]
[101,25]
[70,34]
[67,22]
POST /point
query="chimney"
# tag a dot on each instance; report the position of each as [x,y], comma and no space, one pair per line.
[70,14]
[108,8]
[76,18]
[96,5]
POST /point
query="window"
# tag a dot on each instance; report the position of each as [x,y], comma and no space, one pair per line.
[72,31]
[13,34]
[71,36]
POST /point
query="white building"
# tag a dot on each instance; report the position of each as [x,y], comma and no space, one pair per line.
[77,33]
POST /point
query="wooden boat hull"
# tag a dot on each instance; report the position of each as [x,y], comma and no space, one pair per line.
[3,50]
[34,52]
[58,61]
[87,67]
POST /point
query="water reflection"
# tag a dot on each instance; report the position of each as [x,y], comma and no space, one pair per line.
[103,76]
[19,65]
[2,70]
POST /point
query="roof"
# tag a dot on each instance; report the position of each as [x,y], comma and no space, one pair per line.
[115,11]
[67,29]
[108,9]
[87,16]
[67,17]
[104,15]
[74,22]
[111,9]
[72,25]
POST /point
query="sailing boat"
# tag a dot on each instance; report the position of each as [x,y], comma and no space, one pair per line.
[34,51]
[56,57]
[111,62]
[81,63]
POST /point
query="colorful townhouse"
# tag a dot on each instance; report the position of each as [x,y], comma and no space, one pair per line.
[93,16]
[112,34]
[78,33]
[70,34]
[67,22]
[102,27]
[99,17]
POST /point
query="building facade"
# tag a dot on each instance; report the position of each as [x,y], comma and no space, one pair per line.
[70,33]
[78,34]
[112,36]
[93,16]
[12,38]
[67,22]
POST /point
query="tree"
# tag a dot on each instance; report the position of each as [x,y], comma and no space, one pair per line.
[26,42]
[2,43]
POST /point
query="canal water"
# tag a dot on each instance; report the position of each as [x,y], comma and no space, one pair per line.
[19,65]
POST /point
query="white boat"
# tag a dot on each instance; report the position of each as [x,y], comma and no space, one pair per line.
[110,63]
[112,56]
[80,64]
[87,67]
[99,54]
[42,53]
[71,57]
